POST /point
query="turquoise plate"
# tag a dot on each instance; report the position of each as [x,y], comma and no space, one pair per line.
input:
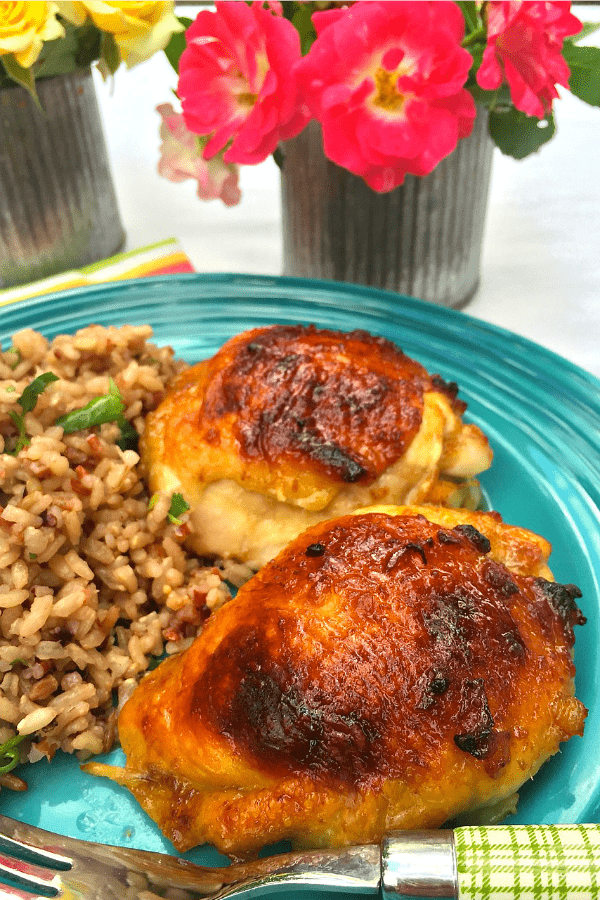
[541,413]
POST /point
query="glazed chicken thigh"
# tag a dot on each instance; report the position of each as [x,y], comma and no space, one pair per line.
[393,668]
[289,425]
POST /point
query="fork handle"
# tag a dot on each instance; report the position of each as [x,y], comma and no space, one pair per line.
[499,862]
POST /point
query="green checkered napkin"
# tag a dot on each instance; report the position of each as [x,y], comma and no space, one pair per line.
[528,862]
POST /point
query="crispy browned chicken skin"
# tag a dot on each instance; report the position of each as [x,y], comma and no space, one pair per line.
[289,425]
[384,671]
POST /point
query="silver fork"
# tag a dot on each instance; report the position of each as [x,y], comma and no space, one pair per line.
[483,862]
[50,865]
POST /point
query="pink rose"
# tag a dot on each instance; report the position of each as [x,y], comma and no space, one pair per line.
[524,47]
[386,82]
[181,158]
[236,81]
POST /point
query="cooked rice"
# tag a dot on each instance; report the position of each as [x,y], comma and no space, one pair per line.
[95,582]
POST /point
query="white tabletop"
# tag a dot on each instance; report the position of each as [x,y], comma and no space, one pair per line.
[541,256]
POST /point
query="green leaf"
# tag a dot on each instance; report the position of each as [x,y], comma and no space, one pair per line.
[9,754]
[518,135]
[110,57]
[177,44]
[588,28]
[30,395]
[107,408]
[79,46]
[129,438]
[27,402]
[498,99]
[289,10]
[100,410]
[177,508]
[76,49]
[23,77]
[584,63]
[476,52]
[279,156]
[5,81]
[89,42]
[302,22]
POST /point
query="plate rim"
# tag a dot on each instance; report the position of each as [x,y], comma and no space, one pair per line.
[414,304]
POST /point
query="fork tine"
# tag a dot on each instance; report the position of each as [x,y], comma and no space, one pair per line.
[15,893]
[29,876]
[23,866]
[32,854]
[101,872]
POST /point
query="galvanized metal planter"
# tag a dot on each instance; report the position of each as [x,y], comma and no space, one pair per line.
[423,239]
[58,208]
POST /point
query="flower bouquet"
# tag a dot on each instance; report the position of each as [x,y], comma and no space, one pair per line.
[382,117]
[394,86]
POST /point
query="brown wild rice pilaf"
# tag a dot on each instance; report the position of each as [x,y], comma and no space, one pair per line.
[94,580]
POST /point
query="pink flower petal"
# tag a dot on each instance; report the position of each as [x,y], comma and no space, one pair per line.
[524,49]
[386,81]
[181,159]
[237,80]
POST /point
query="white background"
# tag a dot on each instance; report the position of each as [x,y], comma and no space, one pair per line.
[541,257]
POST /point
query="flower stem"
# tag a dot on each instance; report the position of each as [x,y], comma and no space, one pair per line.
[475,37]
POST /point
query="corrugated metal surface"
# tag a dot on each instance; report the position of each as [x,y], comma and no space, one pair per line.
[422,239]
[57,202]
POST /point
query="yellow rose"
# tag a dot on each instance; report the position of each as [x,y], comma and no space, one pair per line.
[76,13]
[24,27]
[140,29]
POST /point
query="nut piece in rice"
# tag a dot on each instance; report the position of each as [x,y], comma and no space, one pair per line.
[94,580]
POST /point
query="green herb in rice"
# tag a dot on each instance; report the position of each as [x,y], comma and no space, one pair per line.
[14,351]
[177,508]
[107,408]
[27,402]
[9,754]
[99,411]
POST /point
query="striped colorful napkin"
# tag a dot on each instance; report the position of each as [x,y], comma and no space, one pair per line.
[163,258]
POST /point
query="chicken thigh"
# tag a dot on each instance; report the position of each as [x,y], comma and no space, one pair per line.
[289,425]
[391,669]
